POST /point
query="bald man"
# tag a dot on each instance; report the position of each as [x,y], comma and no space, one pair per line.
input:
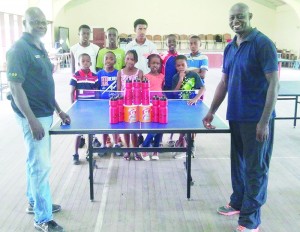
[29,72]
[250,78]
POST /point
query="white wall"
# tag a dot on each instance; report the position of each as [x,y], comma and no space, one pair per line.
[288,29]
[163,17]
[13,6]
[19,6]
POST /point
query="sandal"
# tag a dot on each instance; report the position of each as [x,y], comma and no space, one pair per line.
[126,156]
[137,157]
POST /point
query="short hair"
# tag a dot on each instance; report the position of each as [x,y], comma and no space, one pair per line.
[83,26]
[171,35]
[112,28]
[140,21]
[83,54]
[32,11]
[154,55]
[195,37]
[110,52]
[180,57]
[135,55]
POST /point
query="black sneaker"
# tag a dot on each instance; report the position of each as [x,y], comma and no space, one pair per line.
[76,159]
[55,208]
[82,142]
[50,226]
[96,143]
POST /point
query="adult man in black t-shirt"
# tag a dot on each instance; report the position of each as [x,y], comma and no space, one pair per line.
[29,73]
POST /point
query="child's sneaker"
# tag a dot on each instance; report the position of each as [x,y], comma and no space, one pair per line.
[244,229]
[227,210]
[96,143]
[82,142]
[76,159]
[118,153]
[171,143]
[101,153]
[145,156]
[155,156]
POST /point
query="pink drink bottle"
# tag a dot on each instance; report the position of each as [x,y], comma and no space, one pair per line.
[155,109]
[113,110]
[163,110]
[145,92]
[137,92]
[121,108]
[128,92]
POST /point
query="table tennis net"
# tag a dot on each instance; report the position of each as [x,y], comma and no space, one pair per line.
[103,94]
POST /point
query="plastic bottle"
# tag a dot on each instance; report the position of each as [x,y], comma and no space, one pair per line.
[128,92]
[145,92]
[155,108]
[121,108]
[163,110]
[137,92]
[113,110]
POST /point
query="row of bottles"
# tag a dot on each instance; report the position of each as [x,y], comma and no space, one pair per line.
[155,112]
[137,92]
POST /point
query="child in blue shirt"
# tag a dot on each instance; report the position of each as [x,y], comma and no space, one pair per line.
[107,78]
[87,80]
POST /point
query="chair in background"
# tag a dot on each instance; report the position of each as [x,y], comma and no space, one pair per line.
[149,37]
[226,39]
[218,41]
[210,41]
[183,41]
[203,41]
[157,39]
[123,40]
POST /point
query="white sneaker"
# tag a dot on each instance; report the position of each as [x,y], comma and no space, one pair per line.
[155,156]
[180,156]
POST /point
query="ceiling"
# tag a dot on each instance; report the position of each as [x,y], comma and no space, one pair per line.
[273,4]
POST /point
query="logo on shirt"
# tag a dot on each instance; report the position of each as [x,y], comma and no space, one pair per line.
[13,74]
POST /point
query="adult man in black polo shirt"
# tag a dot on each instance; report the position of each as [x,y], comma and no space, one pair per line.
[32,86]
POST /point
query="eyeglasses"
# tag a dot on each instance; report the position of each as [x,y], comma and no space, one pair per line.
[39,22]
[238,17]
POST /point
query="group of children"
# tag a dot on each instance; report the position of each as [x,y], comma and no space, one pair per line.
[169,71]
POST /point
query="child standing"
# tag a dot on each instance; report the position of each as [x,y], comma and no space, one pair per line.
[107,79]
[186,80]
[83,79]
[112,37]
[168,61]
[169,70]
[156,80]
[129,73]
[196,61]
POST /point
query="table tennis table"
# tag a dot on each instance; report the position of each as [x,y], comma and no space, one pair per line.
[92,117]
[290,90]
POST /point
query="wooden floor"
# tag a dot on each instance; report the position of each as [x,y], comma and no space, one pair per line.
[149,196]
